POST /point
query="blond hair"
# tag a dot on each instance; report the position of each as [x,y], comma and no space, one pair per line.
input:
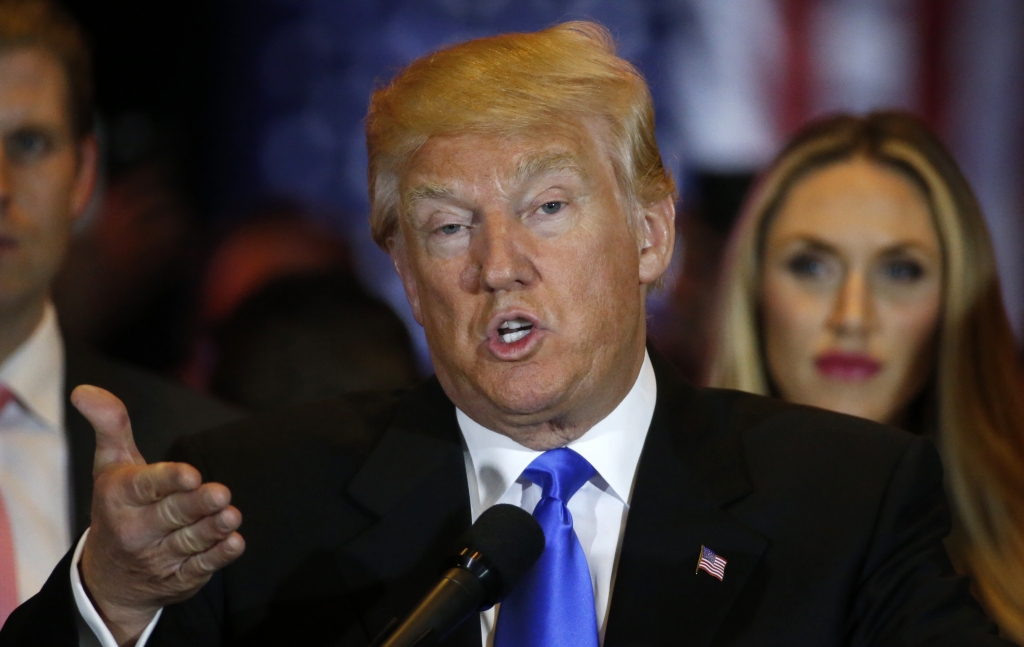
[976,386]
[510,85]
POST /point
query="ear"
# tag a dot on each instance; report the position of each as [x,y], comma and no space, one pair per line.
[659,232]
[399,253]
[85,178]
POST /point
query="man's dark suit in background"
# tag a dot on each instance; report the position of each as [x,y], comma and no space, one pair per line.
[832,527]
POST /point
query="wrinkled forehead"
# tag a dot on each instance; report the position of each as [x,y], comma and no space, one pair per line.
[458,163]
[434,183]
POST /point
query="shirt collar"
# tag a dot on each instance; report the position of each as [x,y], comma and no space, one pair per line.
[35,372]
[612,446]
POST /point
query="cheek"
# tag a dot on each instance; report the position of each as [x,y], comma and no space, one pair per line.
[428,286]
[790,318]
[913,337]
[44,196]
[438,297]
[601,279]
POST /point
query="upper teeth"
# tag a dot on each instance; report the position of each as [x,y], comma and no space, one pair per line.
[514,324]
[514,330]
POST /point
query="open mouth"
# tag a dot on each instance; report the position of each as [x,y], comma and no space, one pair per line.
[513,330]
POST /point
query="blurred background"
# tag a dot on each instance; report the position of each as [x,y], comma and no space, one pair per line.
[235,163]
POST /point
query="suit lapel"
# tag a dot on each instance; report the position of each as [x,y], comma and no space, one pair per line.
[689,472]
[414,483]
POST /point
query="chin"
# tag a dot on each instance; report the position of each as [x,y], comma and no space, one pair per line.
[526,398]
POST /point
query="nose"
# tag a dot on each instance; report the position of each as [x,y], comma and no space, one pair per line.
[500,251]
[853,312]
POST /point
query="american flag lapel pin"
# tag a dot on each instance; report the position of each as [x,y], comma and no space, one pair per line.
[711,563]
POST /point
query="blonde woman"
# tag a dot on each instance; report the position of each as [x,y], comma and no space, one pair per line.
[861,278]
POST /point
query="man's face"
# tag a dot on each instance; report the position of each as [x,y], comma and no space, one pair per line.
[46,176]
[518,261]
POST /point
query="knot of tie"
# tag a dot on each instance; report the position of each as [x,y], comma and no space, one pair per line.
[560,473]
[553,606]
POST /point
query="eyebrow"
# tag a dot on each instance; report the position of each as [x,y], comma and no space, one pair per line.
[557,161]
[817,244]
[428,191]
[526,170]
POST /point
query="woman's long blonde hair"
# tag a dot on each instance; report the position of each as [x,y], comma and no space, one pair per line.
[976,393]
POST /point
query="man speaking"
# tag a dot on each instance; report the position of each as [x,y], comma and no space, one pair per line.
[516,183]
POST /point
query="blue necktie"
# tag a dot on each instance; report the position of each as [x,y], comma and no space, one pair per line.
[553,606]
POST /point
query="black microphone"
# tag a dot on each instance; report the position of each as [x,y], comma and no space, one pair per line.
[495,552]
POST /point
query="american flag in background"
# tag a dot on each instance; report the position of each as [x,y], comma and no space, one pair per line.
[743,75]
[711,563]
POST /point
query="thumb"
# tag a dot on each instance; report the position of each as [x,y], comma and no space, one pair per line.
[109,417]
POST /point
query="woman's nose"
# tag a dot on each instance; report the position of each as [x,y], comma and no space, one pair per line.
[853,311]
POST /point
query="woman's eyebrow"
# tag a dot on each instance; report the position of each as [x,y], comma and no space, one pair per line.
[813,243]
[903,247]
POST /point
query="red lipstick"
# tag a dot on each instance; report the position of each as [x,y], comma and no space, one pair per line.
[849,367]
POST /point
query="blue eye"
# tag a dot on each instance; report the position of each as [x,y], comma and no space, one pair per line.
[450,229]
[807,266]
[903,270]
[551,207]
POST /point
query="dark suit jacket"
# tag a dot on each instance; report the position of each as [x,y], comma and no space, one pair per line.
[831,526]
[160,412]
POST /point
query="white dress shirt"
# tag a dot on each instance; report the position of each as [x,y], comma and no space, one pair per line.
[34,475]
[494,464]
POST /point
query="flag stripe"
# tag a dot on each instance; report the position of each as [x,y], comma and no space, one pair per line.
[711,563]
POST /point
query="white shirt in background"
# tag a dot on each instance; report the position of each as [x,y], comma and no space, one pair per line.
[34,468]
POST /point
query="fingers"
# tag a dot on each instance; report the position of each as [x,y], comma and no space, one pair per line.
[220,555]
[152,483]
[186,508]
[109,417]
[204,534]
[151,502]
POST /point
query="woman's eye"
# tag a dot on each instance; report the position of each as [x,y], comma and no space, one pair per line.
[905,270]
[807,266]
[551,207]
[450,229]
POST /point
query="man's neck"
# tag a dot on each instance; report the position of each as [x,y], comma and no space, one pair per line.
[560,430]
[17,325]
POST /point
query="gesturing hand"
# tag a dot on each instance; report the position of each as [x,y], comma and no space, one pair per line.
[158,533]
